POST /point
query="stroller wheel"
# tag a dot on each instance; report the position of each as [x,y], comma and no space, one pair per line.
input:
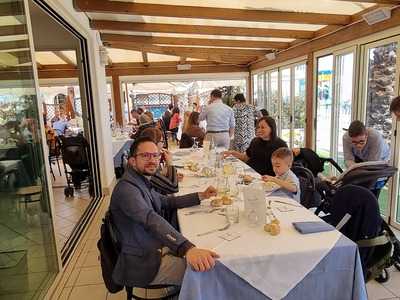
[69,192]
[383,277]
[397,265]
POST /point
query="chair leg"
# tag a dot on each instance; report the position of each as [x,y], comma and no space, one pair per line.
[129,292]
[58,165]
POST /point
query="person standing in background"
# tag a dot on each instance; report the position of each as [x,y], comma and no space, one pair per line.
[244,123]
[220,120]
[167,116]
[174,123]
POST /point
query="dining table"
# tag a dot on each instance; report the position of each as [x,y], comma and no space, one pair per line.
[252,263]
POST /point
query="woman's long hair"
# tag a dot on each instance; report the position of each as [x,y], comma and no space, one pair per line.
[272,124]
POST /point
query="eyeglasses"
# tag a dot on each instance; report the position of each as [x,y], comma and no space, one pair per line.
[148,155]
[360,142]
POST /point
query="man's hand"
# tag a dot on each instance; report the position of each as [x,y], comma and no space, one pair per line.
[180,177]
[201,259]
[209,192]
[167,156]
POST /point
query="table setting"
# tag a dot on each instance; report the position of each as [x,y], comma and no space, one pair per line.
[270,245]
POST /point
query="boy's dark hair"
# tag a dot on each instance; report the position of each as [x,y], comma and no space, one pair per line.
[170,106]
[356,128]
[395,104]
[216,93]
[137,143]
[282,153]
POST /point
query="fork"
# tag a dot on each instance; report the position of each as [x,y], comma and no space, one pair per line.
[203,211]
[215,230]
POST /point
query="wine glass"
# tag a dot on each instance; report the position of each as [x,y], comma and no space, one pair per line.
[195,145]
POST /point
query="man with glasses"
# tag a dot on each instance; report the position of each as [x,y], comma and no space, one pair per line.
[362,144]
[152,251]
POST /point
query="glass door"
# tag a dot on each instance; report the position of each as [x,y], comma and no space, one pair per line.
[335,94]
[299,105]
[273,103]
[286,107]
[380,86]
[28,256]
[324,105]
[343,102]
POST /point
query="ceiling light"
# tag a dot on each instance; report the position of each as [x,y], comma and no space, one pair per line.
[377,15]
[270,56]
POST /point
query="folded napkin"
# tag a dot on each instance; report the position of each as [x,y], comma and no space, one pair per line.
[312,227]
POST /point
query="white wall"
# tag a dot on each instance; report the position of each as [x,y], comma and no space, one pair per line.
[99,89]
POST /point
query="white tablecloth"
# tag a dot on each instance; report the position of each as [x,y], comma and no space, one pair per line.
[272,264]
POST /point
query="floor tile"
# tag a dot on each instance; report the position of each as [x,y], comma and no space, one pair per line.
[393,285]
[377,291]
[90,275]
[118,296]
[92,259]
[94,292]
[72,278]
[65,293]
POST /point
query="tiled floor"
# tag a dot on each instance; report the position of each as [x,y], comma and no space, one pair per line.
[84,280]
[69,210]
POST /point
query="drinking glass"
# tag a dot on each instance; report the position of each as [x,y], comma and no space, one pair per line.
[252,218]
[222,186]
[232,214]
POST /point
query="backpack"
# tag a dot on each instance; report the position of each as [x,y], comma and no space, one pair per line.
[109,248]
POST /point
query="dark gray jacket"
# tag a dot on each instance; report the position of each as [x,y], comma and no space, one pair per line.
[137,213]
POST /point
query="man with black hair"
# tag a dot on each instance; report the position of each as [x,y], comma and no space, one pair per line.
[395,107]
[362,144]
[220,120]
[152,251]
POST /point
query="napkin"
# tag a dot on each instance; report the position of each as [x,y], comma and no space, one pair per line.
[312,227]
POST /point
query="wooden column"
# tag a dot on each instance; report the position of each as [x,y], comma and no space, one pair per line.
[116,89]
[310,101]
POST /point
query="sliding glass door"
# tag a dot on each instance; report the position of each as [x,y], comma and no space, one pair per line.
[335,93]
[381,81]
[28,256]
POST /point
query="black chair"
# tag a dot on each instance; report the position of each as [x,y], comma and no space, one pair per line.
[159,292]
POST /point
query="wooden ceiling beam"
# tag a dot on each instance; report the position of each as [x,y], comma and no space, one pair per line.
[173,70]
[393,2]
[106,37]
[12,46]
[12,30]
[206,50]
[346,34]
[216,13]
[182,60]
[200,29]
[200,53]
[64,58]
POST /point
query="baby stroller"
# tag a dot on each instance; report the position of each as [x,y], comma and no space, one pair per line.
[309,196]
[355,212]
[372,175]
[75,154]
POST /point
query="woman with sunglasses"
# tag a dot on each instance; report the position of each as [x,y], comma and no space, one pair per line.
[362,144]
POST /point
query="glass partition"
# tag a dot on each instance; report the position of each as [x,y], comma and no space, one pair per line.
[28,256]
[299,106]
[324,105]
[286,112]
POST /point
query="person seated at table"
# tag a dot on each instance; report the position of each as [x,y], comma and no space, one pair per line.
[152,251]
[193,130]
[166,179]
[282,160]
[258,155]
[60,126]
[361,144]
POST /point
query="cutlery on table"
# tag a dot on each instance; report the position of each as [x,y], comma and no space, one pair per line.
[202,211]
[215,230]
